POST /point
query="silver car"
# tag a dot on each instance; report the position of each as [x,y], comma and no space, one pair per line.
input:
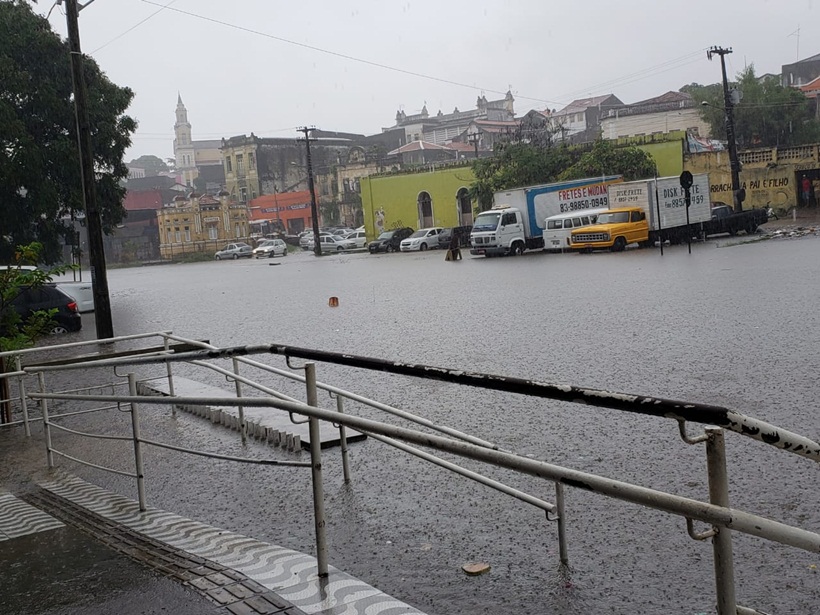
[270,248]
[234,251]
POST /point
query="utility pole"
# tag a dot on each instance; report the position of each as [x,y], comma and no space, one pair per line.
[314,213]
[738,195]
[96,250]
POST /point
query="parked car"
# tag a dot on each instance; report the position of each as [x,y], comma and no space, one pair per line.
[389,241]
[47,297]
[422,239]
[461,232]
[270,248]
[355,240]
[306,240]
[234,250]
[329,243]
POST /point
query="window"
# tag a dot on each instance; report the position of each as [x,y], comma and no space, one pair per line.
[212,232]
[555,224]
[228,168]
[170,237]
[187,233]
[637,216]
[251,165]
[508,219]
[576,222]
[240,164]
[236,230]
[243,194]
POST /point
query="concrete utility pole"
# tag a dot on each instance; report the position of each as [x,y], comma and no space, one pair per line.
[738,195]
[314,213]
[96,250]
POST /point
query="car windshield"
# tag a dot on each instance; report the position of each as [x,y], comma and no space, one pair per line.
[614,217]
[486,222]
[386,235]
[421,233]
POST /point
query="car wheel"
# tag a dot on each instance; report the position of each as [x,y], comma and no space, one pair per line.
[58,330]
[389,248]
[219,258]
[517,249]
[619,245]
[235,256]
[423,247]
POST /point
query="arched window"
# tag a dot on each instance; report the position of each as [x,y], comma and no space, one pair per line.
[425,210]
[465,208]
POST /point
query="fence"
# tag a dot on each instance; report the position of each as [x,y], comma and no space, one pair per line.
[716,512]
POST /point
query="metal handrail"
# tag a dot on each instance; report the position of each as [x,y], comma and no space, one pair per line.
[748,523]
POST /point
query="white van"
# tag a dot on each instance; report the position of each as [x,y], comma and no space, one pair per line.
[557,229]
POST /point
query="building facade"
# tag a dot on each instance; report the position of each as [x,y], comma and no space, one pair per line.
[580,120]
[660,115]
[192,156]
[201,224]
[417,199]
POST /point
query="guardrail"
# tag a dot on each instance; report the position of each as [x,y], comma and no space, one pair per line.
[717,512]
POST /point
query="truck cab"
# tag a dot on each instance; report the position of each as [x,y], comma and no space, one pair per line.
[614,230]
[498,231]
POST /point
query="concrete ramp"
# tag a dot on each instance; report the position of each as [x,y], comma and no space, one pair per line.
[266,424]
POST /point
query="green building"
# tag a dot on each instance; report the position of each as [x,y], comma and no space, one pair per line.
[417,199]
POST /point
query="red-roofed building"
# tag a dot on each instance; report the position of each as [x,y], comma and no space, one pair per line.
[150,199]
[290,211]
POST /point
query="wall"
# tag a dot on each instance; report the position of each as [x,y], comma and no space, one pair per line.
[391,201]
[769,176]
[650,123]
[666,149]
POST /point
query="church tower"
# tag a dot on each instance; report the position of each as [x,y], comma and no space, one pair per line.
[184,153]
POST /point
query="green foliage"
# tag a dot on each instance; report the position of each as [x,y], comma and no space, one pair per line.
[768,115]
[40,180]
[16,333]
[515,165]
[153,165]
[605,158]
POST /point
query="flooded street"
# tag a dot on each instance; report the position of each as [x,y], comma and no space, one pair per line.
[732,325]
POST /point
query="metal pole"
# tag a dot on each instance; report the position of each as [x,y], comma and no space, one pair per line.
[562,525]
[46,425]
[241,408]
[729,119]
[340,408]
[96,249]
[21,385]
[658,210]
[170,376]
[135,427]
[722,542]
[316,470]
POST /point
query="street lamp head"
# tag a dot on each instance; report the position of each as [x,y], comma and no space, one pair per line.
[705,104]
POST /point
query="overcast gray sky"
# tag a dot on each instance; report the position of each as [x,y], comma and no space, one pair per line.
[237,75]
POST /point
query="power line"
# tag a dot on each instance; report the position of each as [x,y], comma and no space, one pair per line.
[136,25]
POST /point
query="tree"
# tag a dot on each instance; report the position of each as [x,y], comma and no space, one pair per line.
[768,115]
[514,165]
[153,165]
[40,179]
[605,158]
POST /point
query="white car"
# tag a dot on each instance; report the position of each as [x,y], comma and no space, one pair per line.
[355,240]
[329,243]
[270,248]
[422,239]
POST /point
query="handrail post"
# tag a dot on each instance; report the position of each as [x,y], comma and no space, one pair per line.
[562,525]
[21,386]
[135,429]
[340,408]
[46,425]
[722,541]
[316,470]
[167,344]
[241,408]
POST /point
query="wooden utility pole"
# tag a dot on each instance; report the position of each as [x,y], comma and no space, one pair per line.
[96,250]
[314,213]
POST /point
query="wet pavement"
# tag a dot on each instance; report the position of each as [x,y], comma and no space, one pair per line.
[734,323]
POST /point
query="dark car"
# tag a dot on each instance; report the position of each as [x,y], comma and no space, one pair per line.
[48,297]
[389,241]
[461,232]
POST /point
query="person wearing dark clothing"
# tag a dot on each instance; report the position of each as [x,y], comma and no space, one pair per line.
[454,253]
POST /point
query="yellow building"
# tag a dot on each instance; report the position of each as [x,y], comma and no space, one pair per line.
[201,224]
[417,199]
[770,177]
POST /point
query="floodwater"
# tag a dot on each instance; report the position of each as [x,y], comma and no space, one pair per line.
[733,325]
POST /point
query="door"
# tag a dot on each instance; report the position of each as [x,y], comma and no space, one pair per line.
[465,208]
[425,210]
[510,228]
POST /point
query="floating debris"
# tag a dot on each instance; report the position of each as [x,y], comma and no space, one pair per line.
[476,569]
